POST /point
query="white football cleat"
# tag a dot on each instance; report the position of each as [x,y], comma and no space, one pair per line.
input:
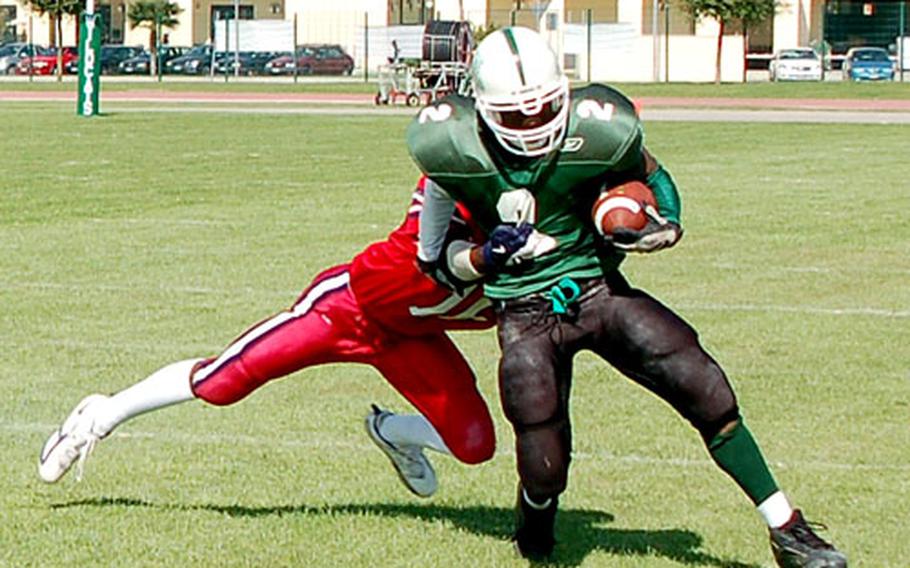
[414,469]
[75,439]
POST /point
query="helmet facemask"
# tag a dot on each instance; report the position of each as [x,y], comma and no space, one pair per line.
[520,91]
[531,123]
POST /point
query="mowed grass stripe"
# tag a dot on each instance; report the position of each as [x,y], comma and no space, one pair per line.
[134,240]
[358,444]
[861,311]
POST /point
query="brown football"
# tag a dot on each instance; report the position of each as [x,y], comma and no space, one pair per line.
[622,206]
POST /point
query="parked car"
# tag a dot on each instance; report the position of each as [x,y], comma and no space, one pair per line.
[71,67]
[137,65]
[261,58]
[251,62]
[315,59]
[868,64]
[797,64]
[141,64]
[46,63]
[12,53]
[196,61]
[111,55]
[227,62]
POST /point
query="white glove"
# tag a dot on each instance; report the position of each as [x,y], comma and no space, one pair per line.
[537,244]
[658,234]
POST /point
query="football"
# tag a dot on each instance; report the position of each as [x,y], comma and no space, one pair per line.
[622,206]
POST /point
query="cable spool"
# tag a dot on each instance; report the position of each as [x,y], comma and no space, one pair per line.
[447,42]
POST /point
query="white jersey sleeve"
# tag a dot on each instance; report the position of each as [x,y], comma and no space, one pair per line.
[437,211]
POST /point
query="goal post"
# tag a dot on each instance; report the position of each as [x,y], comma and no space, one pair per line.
[89,62]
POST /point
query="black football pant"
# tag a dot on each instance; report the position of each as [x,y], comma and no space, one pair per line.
[632,331]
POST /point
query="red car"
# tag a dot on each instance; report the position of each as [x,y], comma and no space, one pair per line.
[46,64]
[313,59]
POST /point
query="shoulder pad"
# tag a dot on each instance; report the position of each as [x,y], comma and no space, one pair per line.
[604,94]
[603,126]
[444,139]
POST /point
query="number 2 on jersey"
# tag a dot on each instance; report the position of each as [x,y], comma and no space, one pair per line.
[589,108]
[435,113]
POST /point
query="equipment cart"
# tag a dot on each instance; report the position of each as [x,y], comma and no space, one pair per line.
[443,69]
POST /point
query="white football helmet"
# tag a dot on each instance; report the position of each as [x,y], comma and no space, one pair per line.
[520,91]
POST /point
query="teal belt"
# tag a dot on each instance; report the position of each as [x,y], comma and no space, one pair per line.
[563,295]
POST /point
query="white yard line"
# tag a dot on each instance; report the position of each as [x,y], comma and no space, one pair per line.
[133,288]
[306,110]
[338,445]
[156,222]
[859,311]
[159,222]
[119,345]
[656,115]
[648,115]
[808,269]
[775,116]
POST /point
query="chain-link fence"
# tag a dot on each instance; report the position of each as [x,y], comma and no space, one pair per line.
[654,41]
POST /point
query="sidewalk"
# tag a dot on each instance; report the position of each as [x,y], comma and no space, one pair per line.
[894,105]
[204,96]
[201,96]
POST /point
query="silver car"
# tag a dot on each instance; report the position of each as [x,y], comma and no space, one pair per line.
[797,64]
[11,53]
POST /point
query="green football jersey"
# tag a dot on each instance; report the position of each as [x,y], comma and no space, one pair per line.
[602,145]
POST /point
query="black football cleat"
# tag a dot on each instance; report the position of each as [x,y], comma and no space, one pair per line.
[534,528]
[795,545]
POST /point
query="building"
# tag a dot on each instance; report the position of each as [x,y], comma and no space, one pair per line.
[613,40]
[197,21]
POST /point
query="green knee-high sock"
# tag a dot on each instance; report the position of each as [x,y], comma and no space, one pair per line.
[737,454]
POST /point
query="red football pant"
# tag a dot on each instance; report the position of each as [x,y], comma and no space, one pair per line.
[326,325]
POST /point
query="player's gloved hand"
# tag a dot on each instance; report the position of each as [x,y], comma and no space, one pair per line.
[658,234]
[437,270]
[505,240]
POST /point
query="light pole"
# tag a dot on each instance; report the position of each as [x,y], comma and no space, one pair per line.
[901,41]
[31,44]
[236,38]
[121,8]
[655,31]
[158,17]
[666,41]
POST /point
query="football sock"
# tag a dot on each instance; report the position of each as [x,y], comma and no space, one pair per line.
[737,454]
[533,504]
[412,430]
[166,386]
[776,510]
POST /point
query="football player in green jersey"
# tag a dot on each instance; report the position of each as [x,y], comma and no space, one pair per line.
[529,157]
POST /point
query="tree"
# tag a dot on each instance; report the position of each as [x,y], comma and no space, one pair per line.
[720,10]
[480,32]
[56,10]
[747,12]
[154,15]
[751,13]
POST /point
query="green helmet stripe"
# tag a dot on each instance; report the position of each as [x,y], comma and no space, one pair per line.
[510,39]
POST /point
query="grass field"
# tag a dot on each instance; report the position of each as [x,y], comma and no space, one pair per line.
[804,90]
[133,240]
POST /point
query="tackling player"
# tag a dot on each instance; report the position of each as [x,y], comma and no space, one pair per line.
[526,154]
[379,310]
